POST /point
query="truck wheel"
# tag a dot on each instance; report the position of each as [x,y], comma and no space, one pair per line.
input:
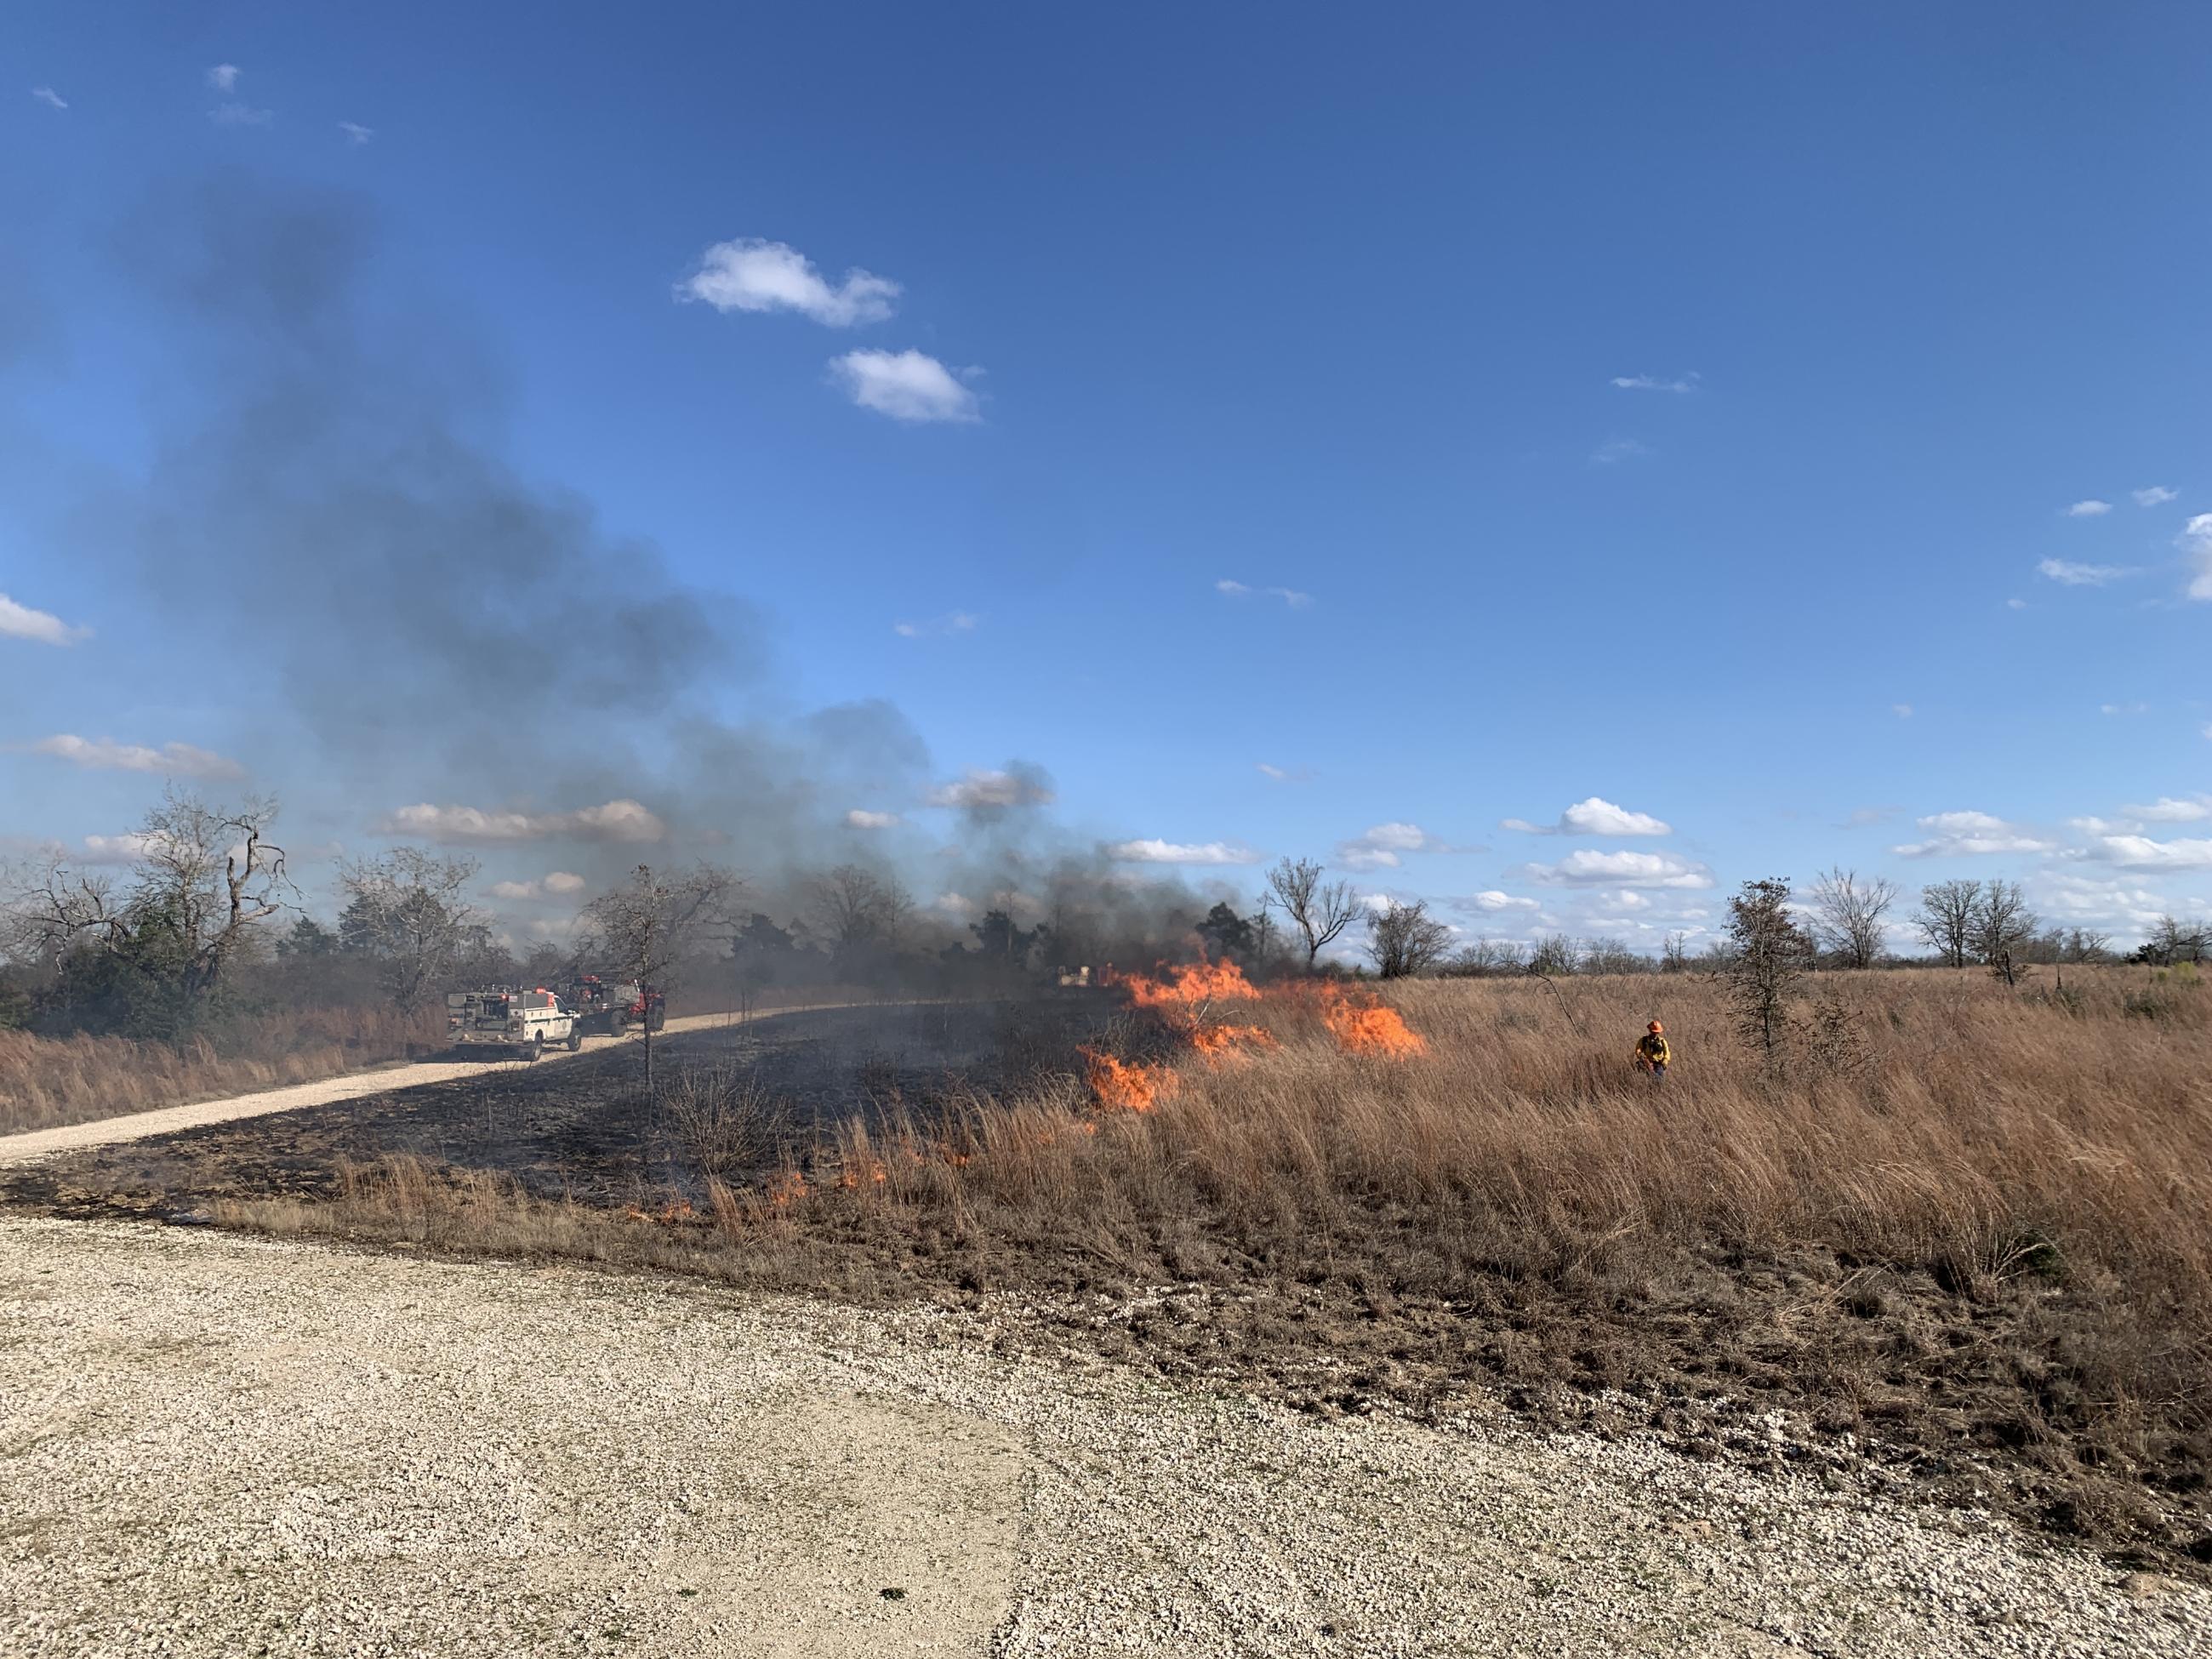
[615,1026]
[656,1019]
[533,1048]
[575,1038]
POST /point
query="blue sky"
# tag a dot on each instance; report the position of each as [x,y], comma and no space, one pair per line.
[1777,428]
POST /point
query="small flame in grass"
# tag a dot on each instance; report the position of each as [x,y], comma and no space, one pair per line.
[787,1188]
[668,1215]
[1365,1026]
[1129,1088]
[1220,1042]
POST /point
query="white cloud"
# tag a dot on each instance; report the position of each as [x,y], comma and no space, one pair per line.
[2090,509]
[355,133]
[1175,852]
[2142,853]
[907,385]
[1290,596]
[2196,540]
[2156,495]
[981,787]
[2015,604]
[557,881]
[1284,774]
[2124,708]
[752,274]
[1490,903]
[1652,383]
[180,760]
[1384,846]
[1902,710]
[223,77]
[960,622]
[616,821]
[1614,451]
[861,818]
[1595,816]
[1591,868]
[2070,574]
[1958,835]
[126,848]
[2166,809]
[20,621]
[49,97]
[240,115]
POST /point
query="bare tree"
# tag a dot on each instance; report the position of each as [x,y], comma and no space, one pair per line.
[405,910]
[648,927]
[2001,929]
[1675,953]
[1486,957]
[1404,939]
[1946,918]
[1847,913]
[205,879]
[851,905]
[1769,952]
[1319,910]
[1553,954]
[2172,941]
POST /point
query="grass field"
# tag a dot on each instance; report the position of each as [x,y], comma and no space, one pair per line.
[48,1081]
[1964,1228]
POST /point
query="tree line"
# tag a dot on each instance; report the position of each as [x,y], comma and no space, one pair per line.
[196,929]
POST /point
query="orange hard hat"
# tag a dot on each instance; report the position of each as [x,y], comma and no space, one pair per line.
[1656,1026]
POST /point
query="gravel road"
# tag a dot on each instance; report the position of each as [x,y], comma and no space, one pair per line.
[217,1445]
[328,1091]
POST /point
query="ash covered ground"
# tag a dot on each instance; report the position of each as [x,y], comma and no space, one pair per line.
[582,1127]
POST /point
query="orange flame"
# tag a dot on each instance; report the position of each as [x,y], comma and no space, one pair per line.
[1192,987]
[787,1186]
[676,1210]
[1130,1088]
[1220,1042]
[1367,1027]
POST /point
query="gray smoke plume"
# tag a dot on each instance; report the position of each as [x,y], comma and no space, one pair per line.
[329,502]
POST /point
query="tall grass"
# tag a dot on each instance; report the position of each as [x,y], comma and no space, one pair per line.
[1964,1208]
[45,1082]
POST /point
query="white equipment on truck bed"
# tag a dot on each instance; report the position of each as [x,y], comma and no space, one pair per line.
[519,1023]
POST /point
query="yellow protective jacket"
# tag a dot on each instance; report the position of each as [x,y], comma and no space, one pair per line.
[1652,1050]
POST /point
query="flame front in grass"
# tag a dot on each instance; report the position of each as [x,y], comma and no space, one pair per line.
[1367,1027]
[1192,987]
[1129,1088]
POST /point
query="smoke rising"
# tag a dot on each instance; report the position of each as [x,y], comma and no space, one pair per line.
[419,641]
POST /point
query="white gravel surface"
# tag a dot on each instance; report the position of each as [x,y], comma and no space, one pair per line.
[216,1445]
[328,1091]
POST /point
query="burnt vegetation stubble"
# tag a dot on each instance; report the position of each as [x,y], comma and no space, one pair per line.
[1972,1264]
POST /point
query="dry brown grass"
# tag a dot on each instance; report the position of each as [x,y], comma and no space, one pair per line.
[48,1081]
[1984,1221]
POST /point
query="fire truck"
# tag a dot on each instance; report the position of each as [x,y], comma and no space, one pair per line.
[523,1023]
[609,1007]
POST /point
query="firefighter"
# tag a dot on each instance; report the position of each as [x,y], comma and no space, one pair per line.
[1652,1053]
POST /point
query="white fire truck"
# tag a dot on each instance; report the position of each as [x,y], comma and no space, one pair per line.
[523,1023]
